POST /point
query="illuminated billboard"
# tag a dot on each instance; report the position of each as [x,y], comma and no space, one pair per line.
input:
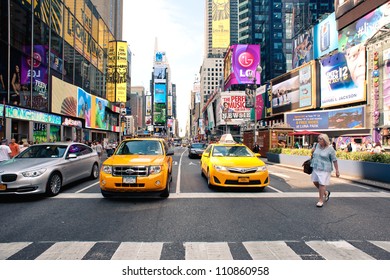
[220,24]
[160,93]
[302,49]
[240,63]
[159,74]
[295,90]
[364,28]
[325,36]
[343,77]
[346,118]
[116,71]
[230,108]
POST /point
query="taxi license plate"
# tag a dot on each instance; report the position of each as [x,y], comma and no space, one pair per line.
[129,180]
[3,187]
[243,179]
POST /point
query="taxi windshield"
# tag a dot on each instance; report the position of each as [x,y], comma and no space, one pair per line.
[231,151]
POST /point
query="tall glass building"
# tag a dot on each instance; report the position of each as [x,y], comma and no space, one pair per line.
[53,60]
[273,25]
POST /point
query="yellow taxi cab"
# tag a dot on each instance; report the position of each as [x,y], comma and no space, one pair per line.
[229,164]
[138,165]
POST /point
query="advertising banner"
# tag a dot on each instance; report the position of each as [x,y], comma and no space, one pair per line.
[294,90]
[84,106]
[210,116]
[31,115]
[325,36]
[302,49]
[260,102]
[148,105]
[241,63]
[364,28]
[160,92]
[39,63]
[159,116]
[170,105]
[159,74]
[99,119]
[220,24]
[339,119]
[231,108]
[343,77]
[116,71]
[148,120]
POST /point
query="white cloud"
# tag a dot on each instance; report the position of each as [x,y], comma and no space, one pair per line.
[178,27]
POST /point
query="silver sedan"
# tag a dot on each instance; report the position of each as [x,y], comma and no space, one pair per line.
[45,168]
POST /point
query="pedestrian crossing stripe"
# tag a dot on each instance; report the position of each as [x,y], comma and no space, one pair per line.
[254,250]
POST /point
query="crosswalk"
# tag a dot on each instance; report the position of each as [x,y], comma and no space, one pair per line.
[250,250]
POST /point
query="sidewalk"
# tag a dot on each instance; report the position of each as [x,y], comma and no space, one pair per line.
[380,185]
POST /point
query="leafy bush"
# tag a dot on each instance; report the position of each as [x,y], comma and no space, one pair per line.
[359,156]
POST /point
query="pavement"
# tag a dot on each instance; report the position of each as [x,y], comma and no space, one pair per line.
[377,184]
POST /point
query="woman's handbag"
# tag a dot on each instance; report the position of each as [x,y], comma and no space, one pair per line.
[306,167]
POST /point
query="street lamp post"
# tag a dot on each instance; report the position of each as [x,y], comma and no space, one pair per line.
[253,77]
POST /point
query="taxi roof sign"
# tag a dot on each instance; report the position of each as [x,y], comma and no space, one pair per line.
[227,138]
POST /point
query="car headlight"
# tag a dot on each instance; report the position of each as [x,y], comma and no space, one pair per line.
[34,173]
[107,169]
[220,168]
[262,168]
[155,169]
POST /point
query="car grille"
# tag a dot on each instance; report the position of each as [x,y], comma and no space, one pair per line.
[123,185]
[8,178]
[242,170]
[130,170]
[235,182]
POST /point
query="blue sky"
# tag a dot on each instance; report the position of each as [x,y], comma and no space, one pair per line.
[179,29]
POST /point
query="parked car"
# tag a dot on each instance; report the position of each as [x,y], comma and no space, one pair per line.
[229,164]
[45,168]
[196,150]
[139,165]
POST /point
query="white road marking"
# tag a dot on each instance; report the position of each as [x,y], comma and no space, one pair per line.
[240,195]
[179,174]
[279,174]
[270,250]
[138,251]
[338,250]
[385,245]
[207,251]
[272,188]
[9,249]
[87,187]
[67,251]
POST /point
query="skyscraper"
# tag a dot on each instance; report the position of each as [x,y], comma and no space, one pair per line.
[273,25]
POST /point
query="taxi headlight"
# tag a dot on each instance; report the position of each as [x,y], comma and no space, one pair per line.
[34,173]
[262,168]
[219,168]
[107,169]
[154,169]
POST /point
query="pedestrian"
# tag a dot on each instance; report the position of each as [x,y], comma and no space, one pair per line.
[323,157]
[256,148]
[15,150]
[5,151]
[24,146]
[99,149]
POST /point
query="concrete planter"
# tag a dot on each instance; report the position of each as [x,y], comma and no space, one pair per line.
[358,169]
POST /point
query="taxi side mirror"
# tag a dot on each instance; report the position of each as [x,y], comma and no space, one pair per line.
[206,154]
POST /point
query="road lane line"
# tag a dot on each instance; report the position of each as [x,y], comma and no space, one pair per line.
[66,251]
[338,250]
[138,251]
[237,195]
[9,249]
[207,251]
[279,174]
[270,250]
[178,173]
[87,187]
[272,188]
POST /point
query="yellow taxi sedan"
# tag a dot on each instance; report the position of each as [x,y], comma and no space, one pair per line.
[229,164]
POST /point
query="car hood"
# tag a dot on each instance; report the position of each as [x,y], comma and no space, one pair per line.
[19,164]
[134,160]
[237,161]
